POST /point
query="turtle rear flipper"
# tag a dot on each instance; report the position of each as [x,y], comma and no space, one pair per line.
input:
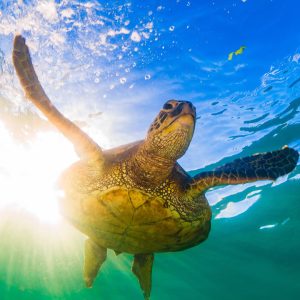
[264,166]
[94,257]
[142,269]
[84,145]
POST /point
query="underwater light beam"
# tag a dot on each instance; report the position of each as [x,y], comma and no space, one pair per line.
[31,184]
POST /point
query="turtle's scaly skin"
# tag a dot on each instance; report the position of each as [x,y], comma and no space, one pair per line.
[136,198]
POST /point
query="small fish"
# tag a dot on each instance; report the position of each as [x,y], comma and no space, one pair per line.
[237,52]
[240,51]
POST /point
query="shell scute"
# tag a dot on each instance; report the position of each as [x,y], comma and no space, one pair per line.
[117,201]
[138,198]
[151,212]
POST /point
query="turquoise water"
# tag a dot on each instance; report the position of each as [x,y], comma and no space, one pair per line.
[110,67]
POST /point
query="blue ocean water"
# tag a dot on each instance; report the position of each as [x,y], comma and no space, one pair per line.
[110,66]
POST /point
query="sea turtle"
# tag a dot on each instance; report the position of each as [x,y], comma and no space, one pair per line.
[136,198]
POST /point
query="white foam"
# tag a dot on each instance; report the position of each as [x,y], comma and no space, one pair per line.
[48,10]
[135,36]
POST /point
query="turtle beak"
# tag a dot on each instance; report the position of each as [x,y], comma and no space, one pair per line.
[184,108]
[185,111]
[189,109]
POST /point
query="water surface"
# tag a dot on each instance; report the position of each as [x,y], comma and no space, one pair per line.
[109,66]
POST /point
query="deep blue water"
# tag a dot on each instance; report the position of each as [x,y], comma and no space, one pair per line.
[110,66]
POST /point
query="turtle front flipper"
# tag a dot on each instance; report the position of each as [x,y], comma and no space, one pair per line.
[85,147]
[264,166]
[142,269]
[94,257]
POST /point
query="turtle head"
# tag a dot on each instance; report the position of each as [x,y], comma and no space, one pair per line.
[172,130]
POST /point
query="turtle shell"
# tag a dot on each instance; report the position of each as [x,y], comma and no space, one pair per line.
[123,217]
[132,221]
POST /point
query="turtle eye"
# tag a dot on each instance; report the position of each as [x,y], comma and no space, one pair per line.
[167,106]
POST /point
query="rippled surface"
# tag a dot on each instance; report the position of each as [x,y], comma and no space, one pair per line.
[110,66]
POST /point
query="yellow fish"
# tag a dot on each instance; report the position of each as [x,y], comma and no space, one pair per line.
[237,52]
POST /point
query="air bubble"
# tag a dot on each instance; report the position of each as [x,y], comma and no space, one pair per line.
[171,28]
[147,76]
[123,80]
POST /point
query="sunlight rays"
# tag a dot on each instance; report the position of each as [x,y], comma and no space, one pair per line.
[28,173]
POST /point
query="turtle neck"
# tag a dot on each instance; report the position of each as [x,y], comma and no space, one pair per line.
[149,167]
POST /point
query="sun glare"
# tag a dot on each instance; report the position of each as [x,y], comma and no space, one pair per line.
[28,173]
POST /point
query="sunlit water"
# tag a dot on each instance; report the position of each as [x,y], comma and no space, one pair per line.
[110,67]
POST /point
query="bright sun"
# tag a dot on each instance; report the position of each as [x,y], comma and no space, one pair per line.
[28,173]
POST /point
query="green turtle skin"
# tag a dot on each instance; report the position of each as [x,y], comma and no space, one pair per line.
[136,198]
